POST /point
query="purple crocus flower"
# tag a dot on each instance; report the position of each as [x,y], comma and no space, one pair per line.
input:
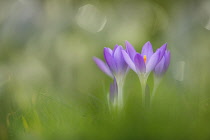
[160,70]
[115,65]
[145,62]
[162,66]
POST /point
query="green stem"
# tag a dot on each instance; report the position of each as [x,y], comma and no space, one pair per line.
[120,84]
[156,84]
[153,92]
[120,94]
[143,81]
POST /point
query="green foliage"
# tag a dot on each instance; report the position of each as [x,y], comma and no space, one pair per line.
[51,89]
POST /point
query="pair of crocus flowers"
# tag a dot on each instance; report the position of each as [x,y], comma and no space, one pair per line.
[119,60]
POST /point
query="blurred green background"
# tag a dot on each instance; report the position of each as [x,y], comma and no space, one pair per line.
[50,87]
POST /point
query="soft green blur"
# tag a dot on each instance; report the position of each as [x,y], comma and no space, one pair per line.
[50,88]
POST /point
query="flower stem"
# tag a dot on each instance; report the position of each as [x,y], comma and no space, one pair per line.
[120,95]
[143,81]
[153,92]
[156,84]
[120,84]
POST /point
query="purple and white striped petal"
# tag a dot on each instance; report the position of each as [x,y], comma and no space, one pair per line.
[103,66]
[139,63]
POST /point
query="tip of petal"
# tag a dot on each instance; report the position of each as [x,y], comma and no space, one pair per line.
[166,45]
[120,47]
[115,47]
[147,50]
[95,59]
[148,42]
[105,48]
[126,41]
[127,44]
[108,50]
[103,66]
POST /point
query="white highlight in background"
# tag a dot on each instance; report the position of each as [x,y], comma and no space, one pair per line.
[90,18]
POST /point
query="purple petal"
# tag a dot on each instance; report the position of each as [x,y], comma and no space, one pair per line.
[159,69]
[128,60]
[152,62]
[119,60]
[147,50]
[162,50]
[113,90]
[115,47]
[130,50]
[103,66]
[109,50]
[139,63]
[167,59]
[110,60]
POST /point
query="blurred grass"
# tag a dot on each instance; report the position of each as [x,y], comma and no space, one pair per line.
[51,89]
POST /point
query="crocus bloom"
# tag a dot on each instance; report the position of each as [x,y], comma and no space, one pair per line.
[115,65]
[162,66]
[160,70]
[145,62]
